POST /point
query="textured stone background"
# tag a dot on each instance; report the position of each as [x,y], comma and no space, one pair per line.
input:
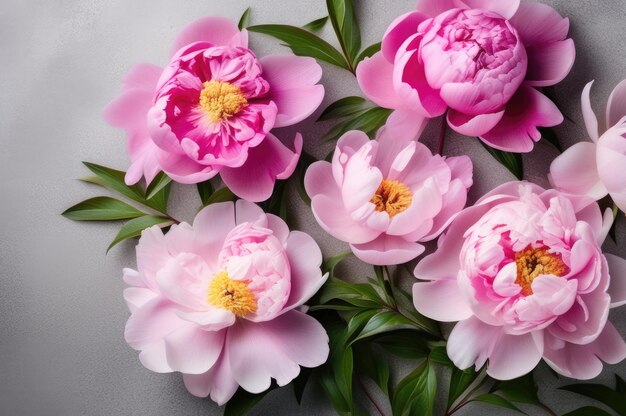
[62,315]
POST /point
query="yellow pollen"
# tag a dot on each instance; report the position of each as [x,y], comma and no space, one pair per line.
[392,196]
[233,295]
[221,100]
[532,262]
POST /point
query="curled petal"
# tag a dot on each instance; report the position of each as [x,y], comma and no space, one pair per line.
[616,107]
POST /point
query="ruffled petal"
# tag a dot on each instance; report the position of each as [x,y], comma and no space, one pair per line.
[218,381]
[269,161]
[471,342]
[293,82]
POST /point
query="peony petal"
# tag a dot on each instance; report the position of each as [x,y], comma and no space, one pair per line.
[212,224]
[575,171]
[184,279]
[246,211]
[473,125]
[471,342]
[406,123]
[515,355]
[617,287]
[616,107]
[434,7]
[184,170]
[387,250]
[275,349]
[453,203]
[151,323]
[305,259]
[441,300]
[218,381]
[136,297]
[153,357]
[267,162]
[212,319]
[517,131]
[152,255]
[375,77]
[591,121]
[219,31]
[505,8]
[549,64]
[539,24]
[192,350]
[583,361]
[398,31]
[293,82]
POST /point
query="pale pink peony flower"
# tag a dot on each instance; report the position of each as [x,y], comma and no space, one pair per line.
[596,168]
[479,60]
[212,108]
[523,272]
[385,196]
[219,301]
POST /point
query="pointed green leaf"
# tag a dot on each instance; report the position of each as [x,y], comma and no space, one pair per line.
[366,53]
[588,411]
[245,18]
[343,107]
[603,394]
[134,227]
[221,195]
[205,190]
[404,343]
[550,136]
[241,403]
[496,400]
[382,322]
[511,161]
[158,192]
[346,26]
[520,390]
[158,183]
[460,380]
[440,356]
[368,121]
[303,43]
[329,265]
[373,363]
[101,208]
[316,25]
[300,383]
[415,394]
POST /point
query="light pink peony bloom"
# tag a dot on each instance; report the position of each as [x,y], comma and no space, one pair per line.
[212,108]
[523,272]
[218,301]
[479,60]
[385,196]
[596,168]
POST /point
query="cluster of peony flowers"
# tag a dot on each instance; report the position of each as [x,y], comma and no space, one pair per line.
[479,62]
[219,301]
[212,108]
[524,273]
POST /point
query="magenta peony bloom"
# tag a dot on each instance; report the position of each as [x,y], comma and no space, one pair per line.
[387,195]
[596,168]
[212,108]
[523,272]
[479,60]
[218,301]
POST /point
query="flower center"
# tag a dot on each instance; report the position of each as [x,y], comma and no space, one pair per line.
[233,295]
[221,100]
[532,262]
[392,196]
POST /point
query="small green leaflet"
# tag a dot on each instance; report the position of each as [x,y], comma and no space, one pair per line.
[496,400]
[205,190]
[244,20]
[134,227]
[367,52]
[343,107]
[604,394]
[221,195]
[415,394]
[101,208]
[316,25]
[303,43]
[343,19]
[368,121]
[511,161]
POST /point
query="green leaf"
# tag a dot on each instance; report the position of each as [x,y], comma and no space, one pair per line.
[344,107]
[245,18]
[305,161]
[603,394]
[158,183]
[373,363]
[343,19]
[329,265]
[511,161]
[620,384]
[241,403]
[382,322]
[316,25]
[407,344]
[349,292]
[440,356]
[101,208]
[134,227]
[520,390]
[366,53]
[496,400]
[303,43]
[588,411]
[368,121]
[415,394]
[205,190]
[221,195]
[550,136]
[460,380]
[277,202]
[114,179]
[300,383]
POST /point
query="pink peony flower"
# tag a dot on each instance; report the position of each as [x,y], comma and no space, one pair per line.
[523,272]
[594,168]
[212,108]
[477,60]
[218,301]
[387,195]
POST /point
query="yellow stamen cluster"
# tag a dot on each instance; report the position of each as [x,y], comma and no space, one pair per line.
[233,295]
[532,262]
[393,197]
[221,100]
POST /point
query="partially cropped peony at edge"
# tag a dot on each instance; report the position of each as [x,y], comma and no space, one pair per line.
[480,62]
[212,108]
[220,301]
[524,274]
